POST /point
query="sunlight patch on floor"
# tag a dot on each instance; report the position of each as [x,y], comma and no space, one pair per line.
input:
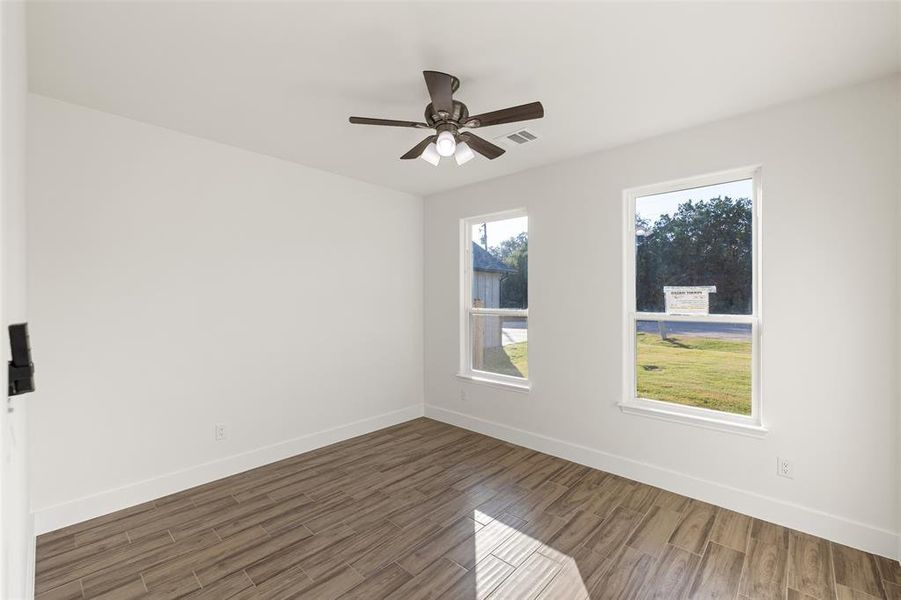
[491,575]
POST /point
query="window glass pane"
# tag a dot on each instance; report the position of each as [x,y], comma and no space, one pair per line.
[701,364]
[696,237]
[500,345]
[500,263]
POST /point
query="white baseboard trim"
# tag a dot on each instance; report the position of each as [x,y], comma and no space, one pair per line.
[68,513]
[788,514]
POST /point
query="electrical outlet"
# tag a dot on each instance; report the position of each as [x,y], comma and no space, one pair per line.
[220,432]
[463,397]
[785,468]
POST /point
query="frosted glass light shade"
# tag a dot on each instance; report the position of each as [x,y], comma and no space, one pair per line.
[446,143]
[463,154]
[430,154]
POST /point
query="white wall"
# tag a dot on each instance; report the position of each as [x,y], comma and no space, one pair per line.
[16,523]
[175,283]
[829,268]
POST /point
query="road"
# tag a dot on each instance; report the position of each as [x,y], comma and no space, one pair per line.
[730,331]
[514,333]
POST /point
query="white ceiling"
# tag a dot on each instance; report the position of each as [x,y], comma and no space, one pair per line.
[281,78]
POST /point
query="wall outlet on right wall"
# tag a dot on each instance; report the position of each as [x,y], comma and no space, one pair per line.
[785,468]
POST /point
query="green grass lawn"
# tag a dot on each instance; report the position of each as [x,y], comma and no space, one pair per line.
[512,359]
[697,371]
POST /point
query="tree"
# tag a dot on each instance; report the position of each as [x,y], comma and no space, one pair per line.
[514,252]
[706,242]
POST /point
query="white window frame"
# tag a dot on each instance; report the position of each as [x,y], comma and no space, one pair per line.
[466,371]
[753,424]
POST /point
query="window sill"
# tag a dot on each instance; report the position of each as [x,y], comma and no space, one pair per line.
[522,388]
[659,410]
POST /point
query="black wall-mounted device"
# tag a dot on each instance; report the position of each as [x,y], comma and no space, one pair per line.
[21,369]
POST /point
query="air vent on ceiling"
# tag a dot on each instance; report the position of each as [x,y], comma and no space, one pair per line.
[518,138]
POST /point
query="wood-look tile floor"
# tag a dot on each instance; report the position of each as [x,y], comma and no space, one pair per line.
[426,510]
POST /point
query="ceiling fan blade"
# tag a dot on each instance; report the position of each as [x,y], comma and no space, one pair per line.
[524,112]
[416,150]
[441,90]
[483,147]
[387,122]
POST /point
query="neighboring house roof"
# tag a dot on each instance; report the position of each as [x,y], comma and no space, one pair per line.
[482,260]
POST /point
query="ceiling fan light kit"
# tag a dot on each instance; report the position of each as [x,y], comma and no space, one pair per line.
[447,117]
[431,155]
[463,153]
[446,143]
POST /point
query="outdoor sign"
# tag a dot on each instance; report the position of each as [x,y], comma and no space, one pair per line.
[688,300]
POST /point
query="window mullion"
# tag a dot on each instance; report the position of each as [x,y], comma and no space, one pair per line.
[500,312]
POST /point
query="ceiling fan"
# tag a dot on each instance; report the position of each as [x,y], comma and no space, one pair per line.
[448,116]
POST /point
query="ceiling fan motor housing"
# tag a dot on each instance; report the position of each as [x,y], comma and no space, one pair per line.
[457,116]
[451,127]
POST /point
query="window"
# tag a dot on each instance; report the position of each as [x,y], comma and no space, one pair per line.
[692,309]
[495,315]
